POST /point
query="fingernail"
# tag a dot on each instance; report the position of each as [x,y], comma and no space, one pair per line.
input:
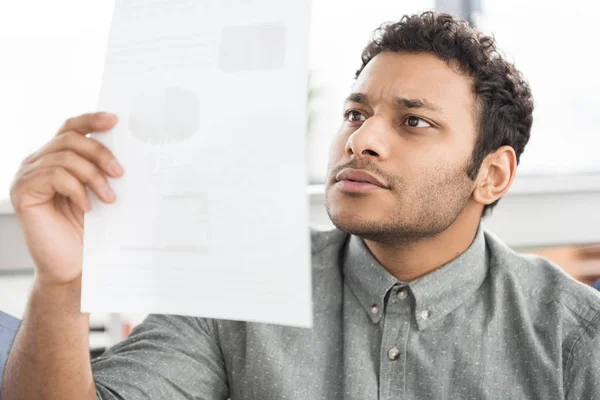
[115,168]
[106,116]
[109,194]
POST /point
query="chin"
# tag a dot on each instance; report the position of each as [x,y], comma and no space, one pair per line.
[368,220]
[352,219]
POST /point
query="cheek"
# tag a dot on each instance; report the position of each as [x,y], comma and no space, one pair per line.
[441,179]
[420,174]
[411,169]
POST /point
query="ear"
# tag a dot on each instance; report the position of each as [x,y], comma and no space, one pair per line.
[495,176]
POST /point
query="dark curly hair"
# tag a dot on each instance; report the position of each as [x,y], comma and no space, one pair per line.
[504,101]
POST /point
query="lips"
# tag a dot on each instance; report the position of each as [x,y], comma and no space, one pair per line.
[356,175]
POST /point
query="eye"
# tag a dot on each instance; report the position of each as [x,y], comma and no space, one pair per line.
[416,122]
[354,116]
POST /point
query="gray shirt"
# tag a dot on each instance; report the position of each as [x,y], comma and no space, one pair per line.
[491,324]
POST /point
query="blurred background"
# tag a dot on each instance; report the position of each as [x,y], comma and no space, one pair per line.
[52,60]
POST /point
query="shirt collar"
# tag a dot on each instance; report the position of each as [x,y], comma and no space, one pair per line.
[435,294]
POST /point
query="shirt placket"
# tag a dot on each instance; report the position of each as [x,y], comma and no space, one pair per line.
[396,327]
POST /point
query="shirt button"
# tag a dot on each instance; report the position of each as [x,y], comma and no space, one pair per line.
[393,354]
[403,294]
[425,314]
[374,309]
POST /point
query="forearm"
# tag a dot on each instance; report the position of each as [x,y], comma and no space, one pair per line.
[50,355]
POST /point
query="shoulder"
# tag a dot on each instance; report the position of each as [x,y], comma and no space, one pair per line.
[544,283]
[324,239]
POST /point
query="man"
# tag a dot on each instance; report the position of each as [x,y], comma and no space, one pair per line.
[412,298]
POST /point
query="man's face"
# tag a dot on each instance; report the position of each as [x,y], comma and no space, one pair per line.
[410,123]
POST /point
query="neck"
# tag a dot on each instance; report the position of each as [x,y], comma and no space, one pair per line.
[408,262]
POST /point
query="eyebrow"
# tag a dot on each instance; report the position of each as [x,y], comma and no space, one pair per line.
[361,98]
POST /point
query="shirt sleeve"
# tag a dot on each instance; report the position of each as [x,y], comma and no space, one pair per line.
[583,367]
[164,357]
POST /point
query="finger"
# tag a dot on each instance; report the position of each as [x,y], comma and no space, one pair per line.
[90,122]
[42,184]
[85,171]
[88,148]
[67,185]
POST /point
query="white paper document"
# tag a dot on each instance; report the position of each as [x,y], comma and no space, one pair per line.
[211,217]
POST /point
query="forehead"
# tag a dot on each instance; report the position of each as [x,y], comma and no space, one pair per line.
[419,76]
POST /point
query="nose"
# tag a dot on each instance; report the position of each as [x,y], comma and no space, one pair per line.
[370,140]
